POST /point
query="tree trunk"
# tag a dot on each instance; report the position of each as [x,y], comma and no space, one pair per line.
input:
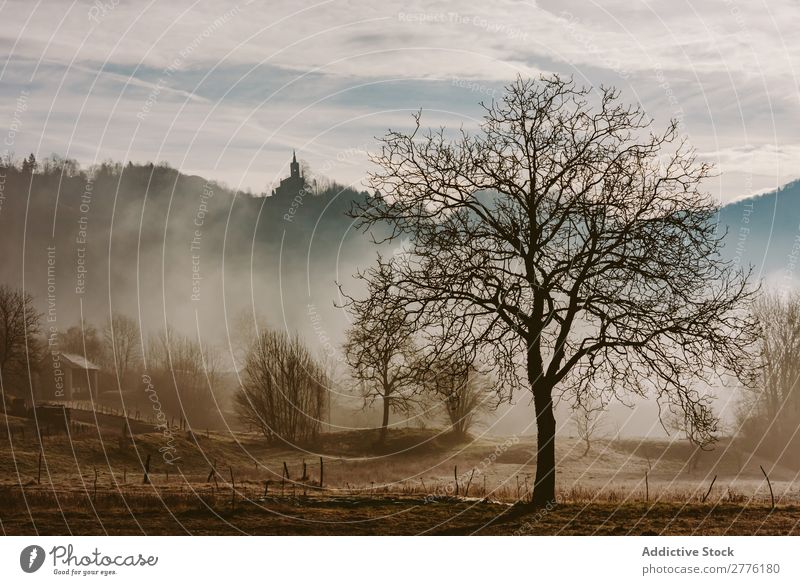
[385,423]
[544,488]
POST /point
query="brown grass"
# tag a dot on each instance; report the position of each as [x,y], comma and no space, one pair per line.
[404,487]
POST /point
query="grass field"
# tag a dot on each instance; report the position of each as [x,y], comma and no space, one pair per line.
[421,482]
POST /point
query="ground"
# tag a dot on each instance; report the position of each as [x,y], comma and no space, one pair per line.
[381,515]
[421,482]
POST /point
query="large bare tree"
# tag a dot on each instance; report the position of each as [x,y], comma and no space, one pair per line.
[572,242]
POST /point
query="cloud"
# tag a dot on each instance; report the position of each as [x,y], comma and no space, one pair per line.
[238,84]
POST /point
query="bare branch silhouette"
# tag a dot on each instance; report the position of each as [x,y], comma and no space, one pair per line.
[571,243]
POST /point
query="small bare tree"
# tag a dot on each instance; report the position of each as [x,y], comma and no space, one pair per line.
[588,419]
[572,243]
[464,390]
[284,390]
[383,358]
[19,328]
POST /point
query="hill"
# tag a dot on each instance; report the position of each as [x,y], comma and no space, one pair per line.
[163,246]
[764,231]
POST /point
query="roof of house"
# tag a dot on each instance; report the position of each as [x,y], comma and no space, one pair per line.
[78,361]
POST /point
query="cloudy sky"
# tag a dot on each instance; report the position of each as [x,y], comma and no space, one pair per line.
[227,90]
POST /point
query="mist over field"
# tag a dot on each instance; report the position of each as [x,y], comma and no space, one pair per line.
[185,251]
[355,268]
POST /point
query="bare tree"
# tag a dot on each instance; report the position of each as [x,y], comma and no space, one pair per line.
[284,389]
[123,342]
[574,244]
[19,327]
[771,409]
[588,419]
[187,374]
[464,390]
[381,353]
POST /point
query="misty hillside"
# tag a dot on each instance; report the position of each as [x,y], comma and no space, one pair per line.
[162,246]
[765,231]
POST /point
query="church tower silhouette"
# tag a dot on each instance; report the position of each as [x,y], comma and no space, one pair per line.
[294,184]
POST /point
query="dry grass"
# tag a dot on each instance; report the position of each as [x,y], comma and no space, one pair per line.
[91,483]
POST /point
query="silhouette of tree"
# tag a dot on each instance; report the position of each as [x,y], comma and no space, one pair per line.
[770,410]
[187,375]
[574,245]
[122,345]
[29,165]
[284,390]
[383,358]
[19,326]
[588,418]
[464,389]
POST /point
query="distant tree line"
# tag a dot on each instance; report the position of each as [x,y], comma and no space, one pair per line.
[185,373]
[769,414]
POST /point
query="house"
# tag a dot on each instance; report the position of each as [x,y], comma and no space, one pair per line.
[66,376]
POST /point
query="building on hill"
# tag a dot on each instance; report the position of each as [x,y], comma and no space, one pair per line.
[294,184]
[66,376]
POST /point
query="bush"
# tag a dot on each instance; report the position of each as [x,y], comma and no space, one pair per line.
[284,389]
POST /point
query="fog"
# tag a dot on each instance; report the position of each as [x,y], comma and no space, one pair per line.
[186,252]
[163,247]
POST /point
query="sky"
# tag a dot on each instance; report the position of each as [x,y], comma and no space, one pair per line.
[227,90]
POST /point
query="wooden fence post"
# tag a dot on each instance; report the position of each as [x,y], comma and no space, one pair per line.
[233,492]
[466,491]
[146,478]
[709,488]
[769,484]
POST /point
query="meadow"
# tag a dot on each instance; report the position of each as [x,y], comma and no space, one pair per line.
[92,481]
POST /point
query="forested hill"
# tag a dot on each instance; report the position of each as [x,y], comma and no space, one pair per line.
[764,231]
[170,248]
[165,247]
